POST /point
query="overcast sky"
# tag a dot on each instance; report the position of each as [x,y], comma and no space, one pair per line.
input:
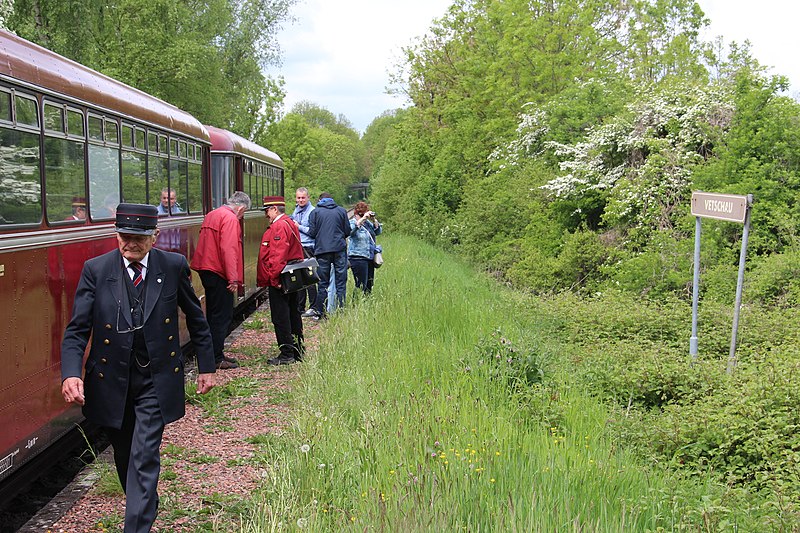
[339,53]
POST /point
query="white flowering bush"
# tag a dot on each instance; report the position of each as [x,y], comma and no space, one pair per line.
[640,162]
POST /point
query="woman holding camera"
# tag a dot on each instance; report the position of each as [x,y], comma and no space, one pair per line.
[364,227]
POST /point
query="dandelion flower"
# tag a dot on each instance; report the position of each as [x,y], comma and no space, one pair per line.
[305,448]
[302,522]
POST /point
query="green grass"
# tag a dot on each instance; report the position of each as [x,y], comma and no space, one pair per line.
[439,404]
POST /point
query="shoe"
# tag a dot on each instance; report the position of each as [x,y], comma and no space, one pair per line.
[311,313]
[281,361]
[230,359]
[226,365]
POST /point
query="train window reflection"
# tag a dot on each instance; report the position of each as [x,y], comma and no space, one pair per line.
[127,136]
[194,197]
[54,118]
[95,128]
[134,171]
[75,123]
[140,139]
[5,106]
[27,112]
[162,144]
[64,176]
[20,190]
[103,181]
[112,132]
[152,142]
[159,174]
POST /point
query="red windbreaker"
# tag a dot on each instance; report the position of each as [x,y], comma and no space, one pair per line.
[280,244]
[219,248]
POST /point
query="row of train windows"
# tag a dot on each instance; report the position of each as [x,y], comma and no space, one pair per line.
[166,172]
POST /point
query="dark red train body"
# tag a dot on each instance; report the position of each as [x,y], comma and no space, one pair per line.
[70,136]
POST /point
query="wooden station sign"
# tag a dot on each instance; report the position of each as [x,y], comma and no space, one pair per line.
[729,207]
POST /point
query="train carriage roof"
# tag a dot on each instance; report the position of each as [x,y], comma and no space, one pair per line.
[38,66]
[226,141]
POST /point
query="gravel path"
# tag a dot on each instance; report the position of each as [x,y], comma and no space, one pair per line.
[205,469]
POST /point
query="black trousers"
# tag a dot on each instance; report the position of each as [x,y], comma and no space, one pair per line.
[288,323]
[136,450]
[219,309]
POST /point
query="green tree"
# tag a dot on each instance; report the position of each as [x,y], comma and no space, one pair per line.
[206,59]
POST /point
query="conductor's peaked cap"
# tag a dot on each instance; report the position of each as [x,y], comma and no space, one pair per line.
[137,219]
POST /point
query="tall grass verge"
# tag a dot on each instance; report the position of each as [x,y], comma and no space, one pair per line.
[436,404]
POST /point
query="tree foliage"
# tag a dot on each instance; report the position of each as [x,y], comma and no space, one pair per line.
[558,143]
[204,57]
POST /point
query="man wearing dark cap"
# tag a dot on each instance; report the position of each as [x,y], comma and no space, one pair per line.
[133,380]
[78,208]
[281,244]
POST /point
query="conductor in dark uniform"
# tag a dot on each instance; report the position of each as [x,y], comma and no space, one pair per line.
[127,302]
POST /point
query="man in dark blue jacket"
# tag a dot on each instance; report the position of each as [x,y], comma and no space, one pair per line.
[132,383]
[329,227]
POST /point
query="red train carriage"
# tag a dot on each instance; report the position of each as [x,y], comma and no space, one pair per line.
[239,164]
[73,144]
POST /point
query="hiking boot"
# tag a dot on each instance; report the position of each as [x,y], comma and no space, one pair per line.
[226,365]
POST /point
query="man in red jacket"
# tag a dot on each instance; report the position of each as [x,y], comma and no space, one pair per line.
[281,244]
[218,260]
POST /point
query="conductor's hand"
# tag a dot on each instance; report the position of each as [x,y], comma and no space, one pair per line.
[205,382]
[233,286]
[72,390]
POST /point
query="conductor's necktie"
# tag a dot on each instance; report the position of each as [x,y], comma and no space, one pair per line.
[137,274]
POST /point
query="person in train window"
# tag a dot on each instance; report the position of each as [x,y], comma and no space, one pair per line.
[218,260]
[78,209]
[302,210]
[169,201]
[127,303]
[279,245]
[109,207]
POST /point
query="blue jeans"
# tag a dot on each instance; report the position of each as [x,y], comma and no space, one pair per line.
[363,272]
[327,261]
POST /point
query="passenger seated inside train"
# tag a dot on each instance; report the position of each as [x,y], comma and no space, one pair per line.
[169,201]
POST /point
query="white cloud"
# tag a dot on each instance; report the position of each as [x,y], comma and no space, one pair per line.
[769,25]
[339,53]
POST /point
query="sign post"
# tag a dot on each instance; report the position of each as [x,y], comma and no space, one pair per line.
[733,208]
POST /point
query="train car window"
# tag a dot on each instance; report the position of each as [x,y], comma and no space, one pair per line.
[53,118]
[182,153]
[112,132]
[222,176]
[127,136]
[139,139]
[5,106]
[174,147]
[178,182]
[103,181]
[134,173]
[152,142]
[158,169]
[162,144]
[64,179]
[20,189]
[75,123]
[26,111]
[95,128]
[194,196]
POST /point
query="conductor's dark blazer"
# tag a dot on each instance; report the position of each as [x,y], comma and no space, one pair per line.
[102,308]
